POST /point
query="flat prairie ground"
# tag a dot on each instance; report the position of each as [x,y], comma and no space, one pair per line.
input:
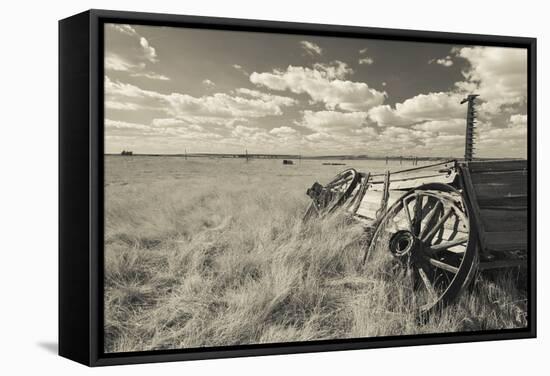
[214,252]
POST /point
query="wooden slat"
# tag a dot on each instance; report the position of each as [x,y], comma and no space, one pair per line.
[506,241]
[502,165]
[415,170]
[492,190]
[371,202]
[504,220]
[411,183]
[504,178]
[427,174]
[509,203]
[502,264]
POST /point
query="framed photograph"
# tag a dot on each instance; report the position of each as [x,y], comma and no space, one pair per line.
[239,187]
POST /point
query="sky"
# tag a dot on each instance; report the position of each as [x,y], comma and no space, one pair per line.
[169,90]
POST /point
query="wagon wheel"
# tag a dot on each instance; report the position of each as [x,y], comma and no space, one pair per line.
[326,199]
[429,232]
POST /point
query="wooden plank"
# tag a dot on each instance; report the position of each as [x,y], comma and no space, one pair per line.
[495,220]
[418,175]
[371,202]
[497,190]
[415,170]
[502,264]
[503,178]
[406,184]
[506,241]
[508,203]
[501,165]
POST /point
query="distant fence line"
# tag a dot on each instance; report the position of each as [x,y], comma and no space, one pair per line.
[290,156]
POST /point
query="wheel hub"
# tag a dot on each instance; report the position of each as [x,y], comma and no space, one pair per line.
[404,244]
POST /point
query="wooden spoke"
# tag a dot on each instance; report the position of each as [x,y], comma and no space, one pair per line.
[417,214]
[428,237]
[446,244]
[441,265]
[407,214]
[427,283]
[430,217]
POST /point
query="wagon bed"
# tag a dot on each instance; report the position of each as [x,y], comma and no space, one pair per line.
[445,221]
[496,191]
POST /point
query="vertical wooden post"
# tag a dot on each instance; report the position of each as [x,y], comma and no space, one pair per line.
[246,152]
[386,159]
[186,154]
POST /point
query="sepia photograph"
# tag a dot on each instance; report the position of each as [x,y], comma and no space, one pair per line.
[264,188]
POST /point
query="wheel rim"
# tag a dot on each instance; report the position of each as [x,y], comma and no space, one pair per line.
[429,235]
[335,193]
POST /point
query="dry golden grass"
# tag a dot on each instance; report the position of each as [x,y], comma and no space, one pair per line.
[214,253]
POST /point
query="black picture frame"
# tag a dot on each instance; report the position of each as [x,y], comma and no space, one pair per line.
[81,186]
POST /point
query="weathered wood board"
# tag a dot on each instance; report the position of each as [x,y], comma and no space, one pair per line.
[497,191]
[400,183]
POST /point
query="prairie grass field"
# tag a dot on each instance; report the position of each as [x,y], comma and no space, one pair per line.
[214,252]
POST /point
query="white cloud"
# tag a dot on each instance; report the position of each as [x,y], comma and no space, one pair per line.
[176,123]
[218,105]
[325,121]
[150,52]
[450,126]
[243,131]
[311,48]
[125,125]
[224,105]
[319,137]
[518,121]
[115,105]
[497,74]
[423,107]
[240,69]
[208,83]
[334,70]
[266,97]
[366,61]
[151,76]
[324,84]
[446,61]
[510,141]
[125,29]
[284,131]
[117,63]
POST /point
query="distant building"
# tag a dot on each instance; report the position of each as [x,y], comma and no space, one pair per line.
[287,161]
[127,152]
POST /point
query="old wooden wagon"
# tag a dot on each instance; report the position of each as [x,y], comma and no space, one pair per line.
[443,222]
